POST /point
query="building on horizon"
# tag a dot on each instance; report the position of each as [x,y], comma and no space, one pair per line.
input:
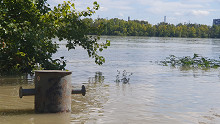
[216,21]
[165,19]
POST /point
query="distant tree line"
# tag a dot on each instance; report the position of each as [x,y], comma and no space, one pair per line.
[121,27]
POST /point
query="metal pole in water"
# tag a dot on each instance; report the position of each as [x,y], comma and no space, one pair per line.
[52,91]
[82,91]
[26,92]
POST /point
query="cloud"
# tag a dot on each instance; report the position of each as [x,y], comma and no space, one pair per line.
[103,9]
[177,8]
[54,2]
[115,4]
[200,12]
[121,14]
[198,1]
[178,13]
[115,8]
[105,5]
[161,7]
[180,10]
[153,10]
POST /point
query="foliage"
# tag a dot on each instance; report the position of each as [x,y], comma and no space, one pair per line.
[143,28]
[27,28]
[191,62]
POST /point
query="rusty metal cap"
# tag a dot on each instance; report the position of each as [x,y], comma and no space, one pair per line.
[53,71]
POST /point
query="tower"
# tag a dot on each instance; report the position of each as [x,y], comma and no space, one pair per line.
[165,19]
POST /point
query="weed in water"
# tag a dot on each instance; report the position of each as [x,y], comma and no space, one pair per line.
[124,77]
[195,62]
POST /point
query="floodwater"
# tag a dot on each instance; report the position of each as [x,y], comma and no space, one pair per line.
[154,94]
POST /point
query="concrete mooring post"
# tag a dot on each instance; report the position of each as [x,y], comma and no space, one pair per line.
[52,91]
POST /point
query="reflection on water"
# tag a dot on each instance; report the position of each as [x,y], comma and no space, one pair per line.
[154,94]
[16,80]
[30,118]
[89,108]
[211,117]
[9,112]
[98,78]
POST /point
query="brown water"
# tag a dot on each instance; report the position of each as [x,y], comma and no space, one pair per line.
[155,94]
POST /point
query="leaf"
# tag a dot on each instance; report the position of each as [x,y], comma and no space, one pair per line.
[100,49]
[108,43]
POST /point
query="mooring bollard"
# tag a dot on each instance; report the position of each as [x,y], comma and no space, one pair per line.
[52,91]
[26,92]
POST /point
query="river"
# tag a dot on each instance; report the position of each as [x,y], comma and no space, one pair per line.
[154,94]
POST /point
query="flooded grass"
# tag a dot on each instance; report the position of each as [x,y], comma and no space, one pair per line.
[123,77]
[187,62]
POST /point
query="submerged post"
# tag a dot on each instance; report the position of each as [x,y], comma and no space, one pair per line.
[52,91]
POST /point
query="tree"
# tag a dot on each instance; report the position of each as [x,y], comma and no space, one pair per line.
[121,27]
[215,31]
[192,32]
[184,32]
[27,28]
[204,31]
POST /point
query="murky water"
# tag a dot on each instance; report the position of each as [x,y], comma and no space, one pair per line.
[155,94]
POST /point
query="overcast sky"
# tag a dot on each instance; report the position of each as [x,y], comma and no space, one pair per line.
[153,11]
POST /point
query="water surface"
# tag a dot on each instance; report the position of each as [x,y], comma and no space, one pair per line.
[155,94]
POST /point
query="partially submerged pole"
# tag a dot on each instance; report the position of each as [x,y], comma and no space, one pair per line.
[52,91]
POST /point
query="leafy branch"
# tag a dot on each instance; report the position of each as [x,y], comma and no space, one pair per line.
[27,28]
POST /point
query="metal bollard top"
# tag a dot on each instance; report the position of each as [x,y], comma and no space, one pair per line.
[53,71]
[20,92]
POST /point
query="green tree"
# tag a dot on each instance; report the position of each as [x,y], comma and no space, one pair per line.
[178,32]
[162,30]
[121,27]
[27,28]
[192,32]
[204,31]
[184,32]
[172,30]
[215,31]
